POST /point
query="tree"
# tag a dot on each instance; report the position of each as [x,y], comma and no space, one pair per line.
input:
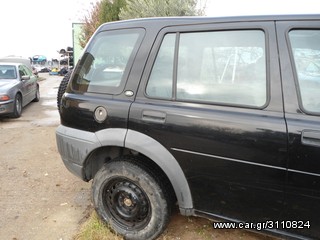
[101,12]
[110,10]
[90,24]
[158,8]
[114,10]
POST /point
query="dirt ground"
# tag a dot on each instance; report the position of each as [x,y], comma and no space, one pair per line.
[41,200]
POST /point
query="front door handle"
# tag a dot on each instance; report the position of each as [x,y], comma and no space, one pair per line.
[154,116]
[310,137]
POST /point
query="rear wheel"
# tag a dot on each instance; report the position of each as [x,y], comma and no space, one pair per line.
[17,108]
[62,87]
[131,199]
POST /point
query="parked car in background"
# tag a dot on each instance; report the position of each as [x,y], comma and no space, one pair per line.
[41,68]
[18,87]
[39,59]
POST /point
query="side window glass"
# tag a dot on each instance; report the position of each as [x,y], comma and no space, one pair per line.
[22,71]
[160,80]
[105,65]
[223,67]
[27,71]
[305,46]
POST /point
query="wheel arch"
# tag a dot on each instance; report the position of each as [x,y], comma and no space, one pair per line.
[164,159]
[20,93]
[116,142]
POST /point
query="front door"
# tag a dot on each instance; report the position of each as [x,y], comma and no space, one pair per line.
[29,84]
[302,111]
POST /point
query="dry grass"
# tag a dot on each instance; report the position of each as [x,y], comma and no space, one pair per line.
[95,229]
[180,228]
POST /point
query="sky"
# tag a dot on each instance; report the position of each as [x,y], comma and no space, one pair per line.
[39,27]
[43,27]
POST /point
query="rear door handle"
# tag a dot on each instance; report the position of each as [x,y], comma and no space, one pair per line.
[310,137]
[154,116]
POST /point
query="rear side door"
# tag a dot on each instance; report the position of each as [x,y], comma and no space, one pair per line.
[299,44]
[211,94]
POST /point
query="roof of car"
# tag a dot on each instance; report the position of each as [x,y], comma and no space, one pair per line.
[10,63]
[16,61]
[171,21]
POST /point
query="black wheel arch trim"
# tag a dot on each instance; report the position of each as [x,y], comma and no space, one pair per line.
[75,146]
[164,159]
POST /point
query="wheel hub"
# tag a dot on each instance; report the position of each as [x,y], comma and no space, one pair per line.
[127,203]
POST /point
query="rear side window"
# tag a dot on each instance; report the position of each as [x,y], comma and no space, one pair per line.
[105,65]
[305,46]
[222,67]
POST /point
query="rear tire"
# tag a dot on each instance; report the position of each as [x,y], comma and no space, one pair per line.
[131,199]
[63,87]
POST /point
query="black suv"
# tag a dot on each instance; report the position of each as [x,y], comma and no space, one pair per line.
[218,115]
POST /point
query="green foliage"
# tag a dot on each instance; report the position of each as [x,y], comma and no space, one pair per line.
[110,10]
[101,12]
[90,24]
[114,10]
[159,8]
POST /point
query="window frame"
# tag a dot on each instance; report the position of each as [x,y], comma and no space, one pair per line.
[294,68]
[109,90]
[207,28]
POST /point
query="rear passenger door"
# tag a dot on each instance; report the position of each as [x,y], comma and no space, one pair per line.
[299,44]
[211,94]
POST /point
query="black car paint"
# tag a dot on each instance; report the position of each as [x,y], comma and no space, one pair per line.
[241,163]
[303,176]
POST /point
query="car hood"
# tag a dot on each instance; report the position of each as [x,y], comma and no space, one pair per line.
[7,83]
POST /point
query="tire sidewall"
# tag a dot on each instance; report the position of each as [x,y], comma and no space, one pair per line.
[159,206]
[62,88]
[17,110]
